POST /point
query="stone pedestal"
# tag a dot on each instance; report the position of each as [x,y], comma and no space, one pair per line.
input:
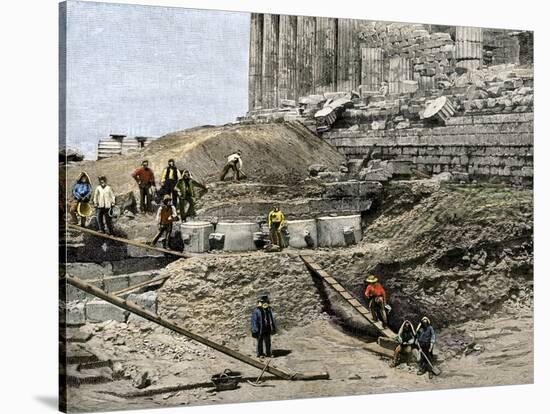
[195,235]
[303,233]
[339,231]
[238,236]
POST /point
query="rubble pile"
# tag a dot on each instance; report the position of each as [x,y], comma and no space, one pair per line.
[497,89]
[456,252]
[271,153]
[432,54]
[216,295]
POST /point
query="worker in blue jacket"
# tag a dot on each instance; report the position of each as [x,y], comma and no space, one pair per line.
[82,193]
[425,337]
[263,326]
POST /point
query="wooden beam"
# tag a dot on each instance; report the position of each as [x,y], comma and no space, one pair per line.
[347,296]
[130,242]
[146,314]
[140,285]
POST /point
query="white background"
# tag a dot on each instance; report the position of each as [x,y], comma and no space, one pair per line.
[28,207]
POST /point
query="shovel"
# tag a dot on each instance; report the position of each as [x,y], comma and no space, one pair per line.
[257,382]
[435,370]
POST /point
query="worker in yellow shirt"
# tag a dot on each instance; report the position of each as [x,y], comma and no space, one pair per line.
[276,221]
[169,178]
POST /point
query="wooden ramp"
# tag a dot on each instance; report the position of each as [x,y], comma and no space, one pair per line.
[281,372]
[130,242]
[318,271]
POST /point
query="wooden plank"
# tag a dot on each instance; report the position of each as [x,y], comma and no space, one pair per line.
[358,306]
[339,288]
[140,285]
[330,280]
[374,347]
[144,313]
[388,343]
[355,302]
[130,242]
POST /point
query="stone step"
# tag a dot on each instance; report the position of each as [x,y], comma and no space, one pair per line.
[74,335]
[74,377]
[76,353]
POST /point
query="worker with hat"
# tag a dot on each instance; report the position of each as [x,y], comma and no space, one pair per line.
[168,180]
[187,195]
[82,193]
[166,215]
[425,337]
[145,180]
[276,221]
[263,326]
[104,200]
[406,337]
[376,297]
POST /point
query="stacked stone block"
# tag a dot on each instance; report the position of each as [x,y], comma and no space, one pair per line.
[483,146]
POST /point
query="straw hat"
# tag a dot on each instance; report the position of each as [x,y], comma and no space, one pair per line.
[372,279]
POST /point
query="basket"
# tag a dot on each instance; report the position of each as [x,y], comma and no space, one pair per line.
[227,380]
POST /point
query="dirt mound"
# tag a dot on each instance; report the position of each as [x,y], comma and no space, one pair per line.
[455,252]
[271,153]
[216,295]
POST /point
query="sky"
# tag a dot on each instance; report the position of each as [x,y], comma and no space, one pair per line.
[146,70]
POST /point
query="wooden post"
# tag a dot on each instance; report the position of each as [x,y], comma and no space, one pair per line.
[286,79]
[255,61]
[305,54]
[325,55]
[150,316]
[270,60]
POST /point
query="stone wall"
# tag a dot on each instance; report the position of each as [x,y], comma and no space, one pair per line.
[295,56]
[481,145]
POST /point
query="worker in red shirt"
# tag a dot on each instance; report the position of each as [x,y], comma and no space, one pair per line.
[376,296]
[145,180]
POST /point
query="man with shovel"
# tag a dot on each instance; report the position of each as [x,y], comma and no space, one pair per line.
[425,337]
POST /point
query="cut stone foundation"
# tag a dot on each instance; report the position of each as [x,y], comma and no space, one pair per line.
[339,231]
[238,236]
[303,233]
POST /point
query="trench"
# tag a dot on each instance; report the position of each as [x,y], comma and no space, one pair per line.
[346,325]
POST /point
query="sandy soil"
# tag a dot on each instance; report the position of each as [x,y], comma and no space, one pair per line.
[181,369]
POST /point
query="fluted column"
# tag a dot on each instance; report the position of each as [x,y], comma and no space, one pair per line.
[286,79]
[255,62]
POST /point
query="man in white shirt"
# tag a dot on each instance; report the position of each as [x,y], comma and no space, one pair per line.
[234,163]
[104,199]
